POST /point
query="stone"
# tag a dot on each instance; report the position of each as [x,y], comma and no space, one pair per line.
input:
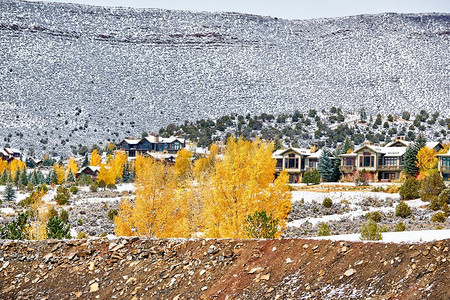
[288,260]
[94,287]
[349,272]
[265,277]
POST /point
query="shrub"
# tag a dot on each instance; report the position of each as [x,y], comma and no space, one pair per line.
[400,227]
[82,235]
[62,195]
[260,225]
[79,222]
[445,209]
[376,216]
[363,177]
[57,229]
[112,213]
[324,229]
[64,215]
[111,186]
[371,231]
[311,177]
[439,217]
[378,189]
[93,187]
[393,188]
[402,210]
[84,179]
[327,202]
[432,185]
[410,189]
[101,184]
[15,230]
[434,202]
[73,190]
[444,197]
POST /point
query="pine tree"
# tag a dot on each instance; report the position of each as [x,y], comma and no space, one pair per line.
[85,161]
[410,161]
[23,180]
[70,177]
[126,175]
[9,194]
[336,166]
[325,166]
[34,178]
[16,178]
[4,178]
[346,146]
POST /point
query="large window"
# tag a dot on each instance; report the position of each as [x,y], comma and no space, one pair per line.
[279,163]
[291,162]
[313,162]
[367,160]
[349,161]
[446,161]
[390,161]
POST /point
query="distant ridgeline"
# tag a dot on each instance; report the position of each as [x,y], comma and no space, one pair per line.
[74,74]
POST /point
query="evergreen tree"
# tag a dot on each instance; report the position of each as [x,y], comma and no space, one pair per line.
[16,178]
[410,161]
[9,193]
[85,161]
[70,177]
[325,166]
[126,175]
[347,145]
[53,177]
[4,178]
[336,166]
[34,178]
[23,180]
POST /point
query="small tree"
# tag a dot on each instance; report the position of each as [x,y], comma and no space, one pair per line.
[325,166]
[311,177]
[62,195]
[432,185]
[439,217]
[15,230]
[371,231]
[9,193]
[402,210]
[102,184]
[410,189]
[400,227]
[324,230]
[376,216]
[260,225]
[64,215]
[327,202]
[444,197]
[363,177]
[57,229]
[70,177]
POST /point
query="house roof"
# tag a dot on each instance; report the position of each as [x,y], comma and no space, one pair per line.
[160,156]
[405,143]
[387,151]
[12,150]
[300,151]
[444,154]
[3,151]
[93,169]
[131,141]
[433,145]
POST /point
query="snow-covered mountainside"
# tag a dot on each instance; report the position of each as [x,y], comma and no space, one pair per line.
[74,74]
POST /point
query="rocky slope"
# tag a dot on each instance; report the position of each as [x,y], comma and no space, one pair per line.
[72,74]
[222,269]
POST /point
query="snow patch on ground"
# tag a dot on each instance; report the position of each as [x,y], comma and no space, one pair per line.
[395,237]
[351,197]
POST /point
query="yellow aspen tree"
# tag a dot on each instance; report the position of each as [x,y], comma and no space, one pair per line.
[243,182]
[204,166]
[106,174]
[159,209]
[16,165]
[72,166]
[117,164]
[95,158]
[183,165]
[426,161]
[3,166]
[123,221]
[60,172]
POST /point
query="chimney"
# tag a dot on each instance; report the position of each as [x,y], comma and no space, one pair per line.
[399,138]
[313,148]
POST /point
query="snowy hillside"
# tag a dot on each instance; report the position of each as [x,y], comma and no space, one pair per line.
[74,74]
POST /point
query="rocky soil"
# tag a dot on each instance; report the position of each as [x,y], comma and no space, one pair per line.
[132,268]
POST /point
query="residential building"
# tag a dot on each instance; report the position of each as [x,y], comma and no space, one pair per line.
[444,165]
[134,147]
[10,154]
[296,161]
[89,170]
[383,163]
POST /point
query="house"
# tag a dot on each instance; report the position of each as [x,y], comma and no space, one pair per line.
[134,147]
[89,170]
[444,165]
[383,163]
[400,142]
[10,154]
[296,161]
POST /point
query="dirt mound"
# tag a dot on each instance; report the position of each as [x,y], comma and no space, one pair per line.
[222,269]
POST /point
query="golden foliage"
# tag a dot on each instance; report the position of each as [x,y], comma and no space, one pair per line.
[95,158]
[16,165]
[60,172]
[159,209]
[73,166]
[114,169]
[244,183]
[426,161]
[3,166]
[215,199]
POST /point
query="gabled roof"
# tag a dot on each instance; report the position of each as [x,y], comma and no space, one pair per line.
[92,168]
[433,145]
[3,152]
[299,151]
[403,142]
[387,151]
[131,141]
[171,140]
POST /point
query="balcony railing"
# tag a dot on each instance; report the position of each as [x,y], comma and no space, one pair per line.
[445,168]
[347,169]
[388,167]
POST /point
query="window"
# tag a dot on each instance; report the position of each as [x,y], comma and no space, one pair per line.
[349,161]
[367,160]
[291,162]
[279,163]
[446,161]
[390,161]
[313,163]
